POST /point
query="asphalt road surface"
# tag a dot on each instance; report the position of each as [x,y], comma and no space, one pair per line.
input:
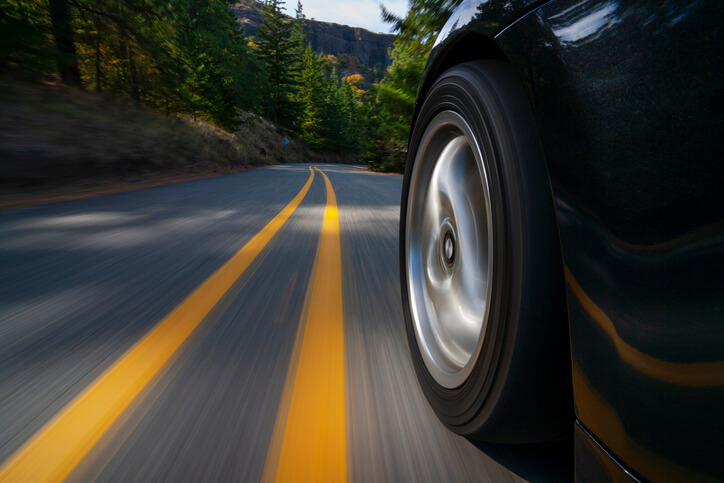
[240,328]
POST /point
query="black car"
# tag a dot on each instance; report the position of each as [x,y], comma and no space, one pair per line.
[562,232]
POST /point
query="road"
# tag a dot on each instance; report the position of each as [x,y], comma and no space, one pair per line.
[243,328]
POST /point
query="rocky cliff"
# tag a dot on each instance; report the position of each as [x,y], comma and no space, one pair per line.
[329,38]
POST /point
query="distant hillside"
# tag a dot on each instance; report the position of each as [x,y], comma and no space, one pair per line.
[330,38]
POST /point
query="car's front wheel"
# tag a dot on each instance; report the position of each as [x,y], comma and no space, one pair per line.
[481,273]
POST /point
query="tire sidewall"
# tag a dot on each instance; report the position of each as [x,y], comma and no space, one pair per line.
[473,90]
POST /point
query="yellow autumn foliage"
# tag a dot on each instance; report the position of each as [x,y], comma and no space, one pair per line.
[354,80]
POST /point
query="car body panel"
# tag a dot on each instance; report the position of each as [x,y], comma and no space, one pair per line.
[459,39]
[627,99]
[497,16]
[593,462]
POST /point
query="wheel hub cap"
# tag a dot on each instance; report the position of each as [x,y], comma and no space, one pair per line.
[448,248]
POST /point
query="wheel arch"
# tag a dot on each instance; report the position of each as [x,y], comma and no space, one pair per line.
[461,47]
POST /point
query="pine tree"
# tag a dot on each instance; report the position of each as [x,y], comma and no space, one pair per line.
[222,72]
[299,38]
[276,52]
[333,113]
[311,98]
[300,32]
[178,56]
[397,91]
[350,132]
[390,105]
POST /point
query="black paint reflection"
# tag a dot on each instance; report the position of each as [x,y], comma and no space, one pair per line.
[627,96]
[584,22]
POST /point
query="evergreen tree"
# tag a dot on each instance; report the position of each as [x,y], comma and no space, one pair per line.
[328,105]
[312,99]
[397,91]
[390,105]
[334,118]
[276,52]
[187,57]
[350,133]
[423,21]
[222,73]
[300,32]
[173,55]
[299,42]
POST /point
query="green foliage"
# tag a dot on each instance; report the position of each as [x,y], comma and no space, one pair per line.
[387,109]
[422,23]
[277,53]
[311,96]
[378,147]
[398,89]
[26,43]
[177,56]
[303,92]
[187,57]
[328,106]
[222,72]
[348,107]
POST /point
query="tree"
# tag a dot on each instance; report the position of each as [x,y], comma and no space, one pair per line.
[390,105]
[63,34]
[222,71]
[349,93]
[423,21]
[328,105]
[26,43]
[189,57]
[276,52]
[300,33]
[397,91]
[311,98]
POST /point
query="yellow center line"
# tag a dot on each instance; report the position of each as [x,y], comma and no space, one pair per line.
[53,452]
[314,442]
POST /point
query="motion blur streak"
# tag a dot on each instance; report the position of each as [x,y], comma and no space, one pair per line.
[314,445]
[53,452]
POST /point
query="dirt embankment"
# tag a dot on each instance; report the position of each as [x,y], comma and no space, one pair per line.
[59,143]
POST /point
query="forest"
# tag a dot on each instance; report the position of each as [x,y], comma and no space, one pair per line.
[188,58]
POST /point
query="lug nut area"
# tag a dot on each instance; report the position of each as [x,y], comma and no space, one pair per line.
[448,249]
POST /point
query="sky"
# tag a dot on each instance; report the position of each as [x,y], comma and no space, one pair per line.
[355,13]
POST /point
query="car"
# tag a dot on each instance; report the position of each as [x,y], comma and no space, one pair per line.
[562,232]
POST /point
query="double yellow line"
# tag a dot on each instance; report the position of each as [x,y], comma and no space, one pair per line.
[315,421]
[312,445]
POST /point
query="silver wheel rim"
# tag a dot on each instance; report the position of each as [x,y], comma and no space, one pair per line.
[449,249]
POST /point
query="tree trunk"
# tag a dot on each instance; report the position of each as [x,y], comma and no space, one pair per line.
[98,65]
[99,73]
[63,35]
[135,90]
[128,51]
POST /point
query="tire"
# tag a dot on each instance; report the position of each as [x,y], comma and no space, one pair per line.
[480,264]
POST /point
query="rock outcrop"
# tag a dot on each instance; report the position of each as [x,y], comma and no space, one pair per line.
[329,38]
